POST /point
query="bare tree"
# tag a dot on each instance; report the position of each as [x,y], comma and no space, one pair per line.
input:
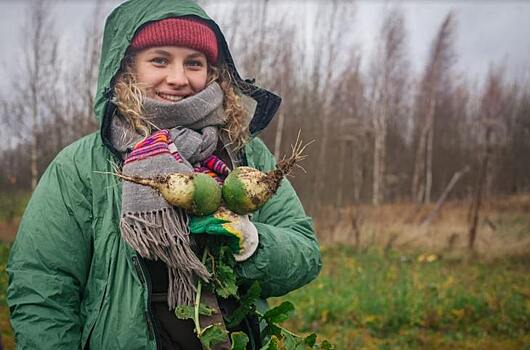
[286,75]
[436,70]
[388,76]
[40,53]
[248,38]
[352,131]
[514,177]
[50,104]
[322,94]
[92,48]
[491,113]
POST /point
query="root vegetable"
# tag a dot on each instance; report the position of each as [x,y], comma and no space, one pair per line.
[198,194]
[247,189]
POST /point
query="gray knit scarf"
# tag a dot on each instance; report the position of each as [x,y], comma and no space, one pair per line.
[150,225]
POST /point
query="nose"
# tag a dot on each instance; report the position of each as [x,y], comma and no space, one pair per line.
[177,76]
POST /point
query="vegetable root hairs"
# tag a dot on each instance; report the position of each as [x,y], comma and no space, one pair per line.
[286,165]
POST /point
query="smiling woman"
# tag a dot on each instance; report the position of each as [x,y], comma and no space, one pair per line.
[171,73]
[171,57]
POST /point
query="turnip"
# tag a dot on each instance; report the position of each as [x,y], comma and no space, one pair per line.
[246,189]
[197,193]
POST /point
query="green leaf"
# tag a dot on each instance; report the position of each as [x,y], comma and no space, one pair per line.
[272,329]
[292,342]
[212,335]
[221,264]
[205,310]
[184,312]
[226,256]
[280,313]
[311,340]
[247,305]
[226,281]
[272,344]
[239,341]
[327,346]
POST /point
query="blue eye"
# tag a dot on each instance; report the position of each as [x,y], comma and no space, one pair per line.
[159,61]
[194,63]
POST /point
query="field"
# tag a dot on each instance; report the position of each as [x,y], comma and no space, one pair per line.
[390,283]
[377,300]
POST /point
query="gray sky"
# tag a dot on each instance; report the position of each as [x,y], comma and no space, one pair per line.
[487,31]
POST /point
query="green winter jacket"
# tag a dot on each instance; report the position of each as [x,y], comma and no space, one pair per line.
[73,282]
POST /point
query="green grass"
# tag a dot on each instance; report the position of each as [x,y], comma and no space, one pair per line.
[372,300]
[376,301]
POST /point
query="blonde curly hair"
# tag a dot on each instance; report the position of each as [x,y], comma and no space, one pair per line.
[129,96]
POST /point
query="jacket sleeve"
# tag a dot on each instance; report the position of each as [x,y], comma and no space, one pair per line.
[50,260]
[288,255]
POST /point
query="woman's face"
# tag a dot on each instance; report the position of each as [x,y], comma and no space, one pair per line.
[171,73]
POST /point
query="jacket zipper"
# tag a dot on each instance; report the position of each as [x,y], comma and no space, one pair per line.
[143,274]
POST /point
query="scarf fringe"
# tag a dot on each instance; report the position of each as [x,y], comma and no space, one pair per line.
[164,234]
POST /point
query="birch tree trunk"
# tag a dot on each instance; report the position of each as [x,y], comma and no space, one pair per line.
[439,64]
[388,77]
[380,129]
[358,169]
[321,164]
[423,158]
[492,108]
[477,198]
[34,140]
[340,170]
[428,167]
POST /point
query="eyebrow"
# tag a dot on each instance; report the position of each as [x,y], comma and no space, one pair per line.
[196,55]
[161,52]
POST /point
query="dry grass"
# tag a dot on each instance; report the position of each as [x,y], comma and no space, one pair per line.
[504,227]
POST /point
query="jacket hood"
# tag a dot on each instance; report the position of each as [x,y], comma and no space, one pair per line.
[123,23]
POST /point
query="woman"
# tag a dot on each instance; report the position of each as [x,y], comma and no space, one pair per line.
[82,273]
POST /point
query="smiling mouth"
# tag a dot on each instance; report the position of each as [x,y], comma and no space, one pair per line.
[168,97]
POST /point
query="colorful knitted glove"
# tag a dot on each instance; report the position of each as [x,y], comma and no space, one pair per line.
[214,167]
[241,233]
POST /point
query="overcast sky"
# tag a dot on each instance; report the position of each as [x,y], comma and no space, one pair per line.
[487,31]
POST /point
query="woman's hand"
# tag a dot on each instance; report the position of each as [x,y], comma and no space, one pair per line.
[242,234]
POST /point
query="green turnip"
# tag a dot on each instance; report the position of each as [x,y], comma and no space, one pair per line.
[247,189]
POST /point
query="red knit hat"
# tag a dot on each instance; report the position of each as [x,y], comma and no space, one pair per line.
[181,32]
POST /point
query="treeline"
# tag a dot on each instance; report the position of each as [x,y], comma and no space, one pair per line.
[382,133]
